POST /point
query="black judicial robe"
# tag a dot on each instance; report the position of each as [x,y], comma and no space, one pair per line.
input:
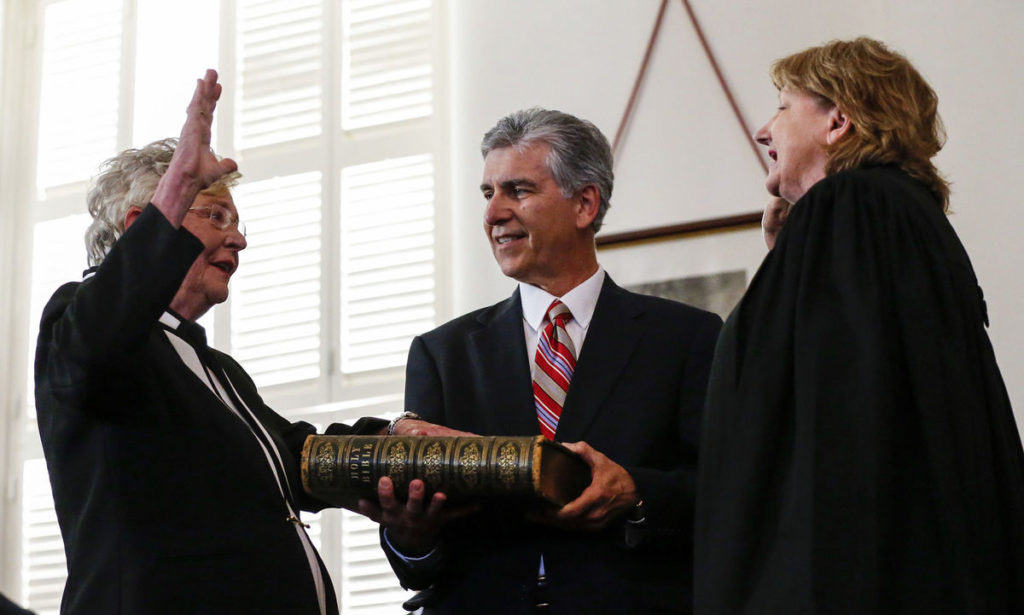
[859,452]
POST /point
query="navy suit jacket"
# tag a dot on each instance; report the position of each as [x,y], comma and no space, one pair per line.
[636,396]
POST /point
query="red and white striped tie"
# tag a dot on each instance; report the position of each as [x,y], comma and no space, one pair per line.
[556,361]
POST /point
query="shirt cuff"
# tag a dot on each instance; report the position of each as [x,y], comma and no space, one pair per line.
[412,561]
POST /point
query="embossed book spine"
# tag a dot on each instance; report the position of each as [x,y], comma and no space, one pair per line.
[341,469]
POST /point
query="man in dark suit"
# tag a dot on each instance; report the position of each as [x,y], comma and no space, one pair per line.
[176,488]
[636,368]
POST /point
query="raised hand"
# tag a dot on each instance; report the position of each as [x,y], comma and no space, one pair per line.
[774,218]
[194,165]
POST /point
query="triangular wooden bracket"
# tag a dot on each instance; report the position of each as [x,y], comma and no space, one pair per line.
[655,32]
[746,220]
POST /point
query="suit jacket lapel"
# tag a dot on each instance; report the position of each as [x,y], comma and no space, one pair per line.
[501,366]
[612,337]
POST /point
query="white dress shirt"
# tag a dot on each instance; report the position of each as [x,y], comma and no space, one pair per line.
[581,302]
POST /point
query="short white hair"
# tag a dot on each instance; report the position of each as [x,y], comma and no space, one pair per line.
[129,180]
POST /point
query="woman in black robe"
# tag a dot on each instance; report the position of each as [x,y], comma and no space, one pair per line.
[859,452]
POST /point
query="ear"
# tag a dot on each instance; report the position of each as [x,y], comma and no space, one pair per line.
[588,201]
[130,215]
[838,125]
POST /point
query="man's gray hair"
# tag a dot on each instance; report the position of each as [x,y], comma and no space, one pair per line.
[129,180]
[580,154]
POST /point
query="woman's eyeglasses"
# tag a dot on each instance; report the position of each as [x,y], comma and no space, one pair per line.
[220,217]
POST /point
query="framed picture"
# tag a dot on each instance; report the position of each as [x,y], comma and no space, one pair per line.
[708,267]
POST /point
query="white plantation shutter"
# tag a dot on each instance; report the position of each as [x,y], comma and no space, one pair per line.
[386,70]
[275,309]
[387,260]
[44,567]
[81,69]
[368,584]
[280,58]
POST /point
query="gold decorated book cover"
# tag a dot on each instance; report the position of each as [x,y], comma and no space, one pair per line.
[341,469]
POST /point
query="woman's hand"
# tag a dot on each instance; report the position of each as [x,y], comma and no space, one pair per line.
[774,218]
[194,166]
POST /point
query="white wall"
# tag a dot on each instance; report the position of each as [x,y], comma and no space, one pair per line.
[684,157]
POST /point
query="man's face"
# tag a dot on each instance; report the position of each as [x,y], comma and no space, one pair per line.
[796,138]
[206,283]
[534,231]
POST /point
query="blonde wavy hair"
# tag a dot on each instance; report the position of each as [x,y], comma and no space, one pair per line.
[892,110]
[129,180]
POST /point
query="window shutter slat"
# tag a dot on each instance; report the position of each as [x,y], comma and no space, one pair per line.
[275,301]
[280,49]
[387,73]
[368,584]
[44,567]
[81,53]
[387,260]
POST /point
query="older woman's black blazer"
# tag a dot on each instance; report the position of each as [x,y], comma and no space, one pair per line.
[165,500]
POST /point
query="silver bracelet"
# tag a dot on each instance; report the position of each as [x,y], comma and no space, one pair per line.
[404,415]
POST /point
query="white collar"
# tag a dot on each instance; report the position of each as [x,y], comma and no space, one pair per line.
[171,320]
[581,300]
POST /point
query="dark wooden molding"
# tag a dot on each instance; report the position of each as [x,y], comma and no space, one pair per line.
[682,229]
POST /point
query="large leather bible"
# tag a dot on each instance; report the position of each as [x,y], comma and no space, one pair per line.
[341,469]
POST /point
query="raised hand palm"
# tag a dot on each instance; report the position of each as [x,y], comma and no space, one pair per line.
[193,156]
